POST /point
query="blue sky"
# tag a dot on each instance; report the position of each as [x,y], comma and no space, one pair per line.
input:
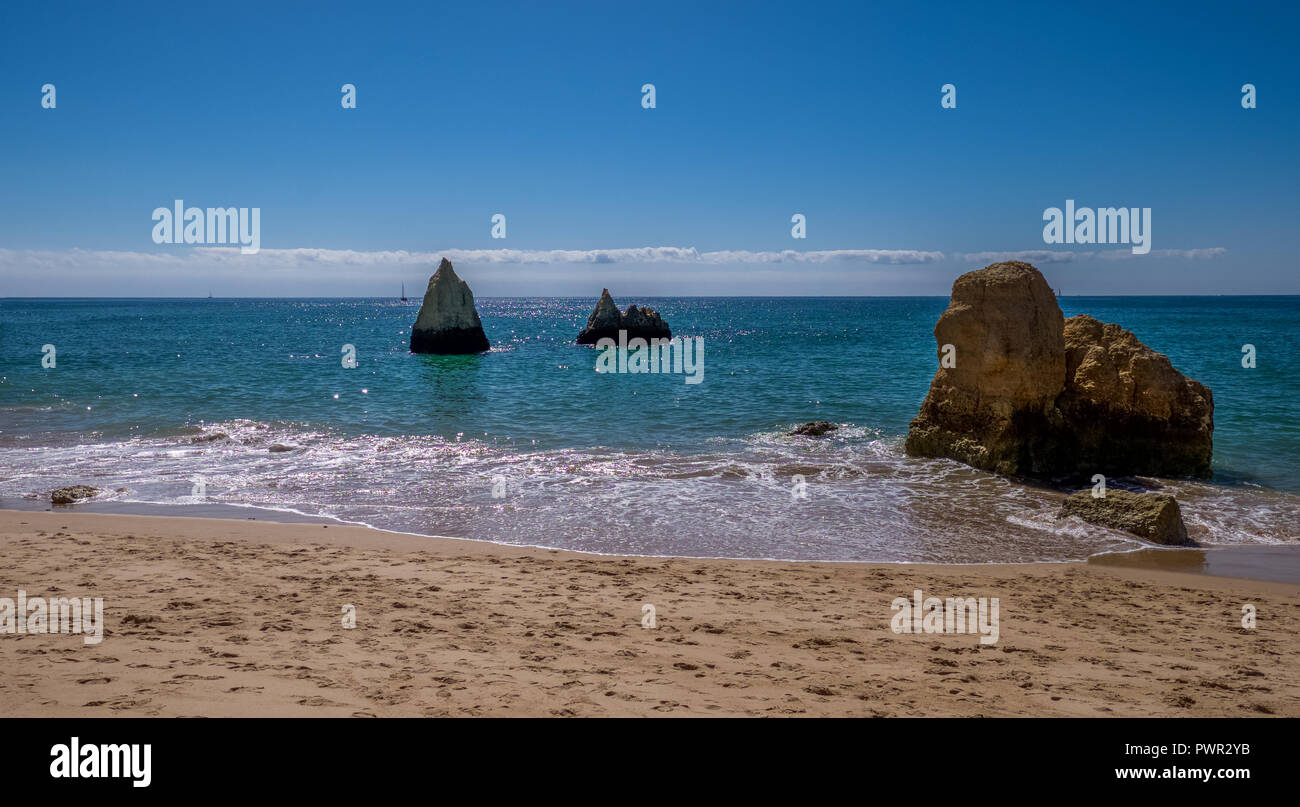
[534,111]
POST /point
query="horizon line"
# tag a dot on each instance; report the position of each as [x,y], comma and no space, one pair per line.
[648,296]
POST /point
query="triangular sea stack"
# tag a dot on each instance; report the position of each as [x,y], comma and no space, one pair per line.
[1030,393]
[606,321]
[448,322]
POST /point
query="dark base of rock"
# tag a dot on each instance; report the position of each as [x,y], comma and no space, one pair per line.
[1153,516]
[814,428]
[450,341]
[1067,447]
[591,336]
[1099,442]
[1028,447]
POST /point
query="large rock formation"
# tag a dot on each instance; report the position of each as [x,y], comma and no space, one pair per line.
[995,407]
[448,322]
[605,322]
[1129,407]
[1029,394]
[1153,516]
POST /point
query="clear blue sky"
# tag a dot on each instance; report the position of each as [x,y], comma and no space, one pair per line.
[534,110]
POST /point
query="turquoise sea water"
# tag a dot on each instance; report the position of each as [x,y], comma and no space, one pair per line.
[154,396]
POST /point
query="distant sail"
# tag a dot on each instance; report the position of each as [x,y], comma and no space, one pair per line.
[403,292]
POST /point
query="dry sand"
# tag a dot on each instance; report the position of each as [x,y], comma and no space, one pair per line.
[221,617]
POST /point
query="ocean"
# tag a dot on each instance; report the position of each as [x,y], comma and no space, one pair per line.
[178,402]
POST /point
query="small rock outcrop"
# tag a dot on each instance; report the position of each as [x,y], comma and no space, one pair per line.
[606,321]
[1153,516]
[1023,392]
[73,494]
[448,322]
[814,428]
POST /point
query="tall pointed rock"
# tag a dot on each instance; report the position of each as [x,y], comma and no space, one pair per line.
[448,322]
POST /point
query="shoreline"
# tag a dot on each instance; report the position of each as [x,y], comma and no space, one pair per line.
[1276,563]
[226,617]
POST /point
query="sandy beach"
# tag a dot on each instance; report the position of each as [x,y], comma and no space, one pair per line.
[224,617]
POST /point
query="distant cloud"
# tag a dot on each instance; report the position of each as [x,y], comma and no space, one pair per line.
[886,256]
[1041,256]
[1205,254]
[577,256]
[70,258]
[1027,255]
[319,262]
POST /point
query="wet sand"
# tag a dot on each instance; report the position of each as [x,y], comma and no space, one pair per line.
[223,617]
[1280,564]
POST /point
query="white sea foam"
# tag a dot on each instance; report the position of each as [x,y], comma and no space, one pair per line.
[864,499]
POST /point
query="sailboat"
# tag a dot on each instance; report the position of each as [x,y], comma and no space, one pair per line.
[403,292]
[209,294]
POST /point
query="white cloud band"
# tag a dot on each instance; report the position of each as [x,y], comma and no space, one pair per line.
[199,258]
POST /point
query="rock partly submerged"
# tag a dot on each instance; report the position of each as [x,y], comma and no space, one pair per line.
[606,322]
[73,494]
[1153,516]
[1029,393]
[448,323]
[813,428]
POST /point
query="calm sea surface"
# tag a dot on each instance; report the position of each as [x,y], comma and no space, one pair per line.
[154,396]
